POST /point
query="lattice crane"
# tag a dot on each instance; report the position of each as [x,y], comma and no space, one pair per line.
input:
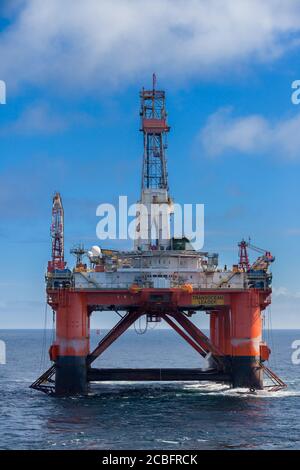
[57,235]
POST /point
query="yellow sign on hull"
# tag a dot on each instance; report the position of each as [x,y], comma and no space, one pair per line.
[208,300]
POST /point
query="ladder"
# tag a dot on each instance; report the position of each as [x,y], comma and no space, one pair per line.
[278,384]
[227,279]
[45,382]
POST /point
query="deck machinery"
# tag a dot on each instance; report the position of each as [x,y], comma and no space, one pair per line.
[162,278]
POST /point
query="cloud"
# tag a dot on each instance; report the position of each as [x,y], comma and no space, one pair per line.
[96,43]
[8,9]
[285,308]
[26,190]
[38,118]
[285,293]
[293,231]
[224,133]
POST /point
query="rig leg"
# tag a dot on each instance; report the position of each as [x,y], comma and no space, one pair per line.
[246,332]
[247,372]
[72,343]
[71,376]
[220,335]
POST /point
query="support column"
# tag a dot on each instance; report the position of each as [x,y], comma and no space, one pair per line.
[220,335]
[72,345]
[213,327]
[246,332]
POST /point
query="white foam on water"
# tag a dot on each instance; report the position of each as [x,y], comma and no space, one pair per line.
[205,388]
[219,389]
[167,442]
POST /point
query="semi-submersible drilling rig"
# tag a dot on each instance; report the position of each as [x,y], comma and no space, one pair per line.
[162,279]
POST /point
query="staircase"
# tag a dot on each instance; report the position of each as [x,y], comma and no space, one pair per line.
[45,382]
[278,384]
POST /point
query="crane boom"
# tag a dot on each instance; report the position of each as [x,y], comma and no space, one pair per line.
[262,261]
[57,235]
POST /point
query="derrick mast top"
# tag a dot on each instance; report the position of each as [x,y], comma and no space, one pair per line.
[57,234]
[153,227]
[155,128]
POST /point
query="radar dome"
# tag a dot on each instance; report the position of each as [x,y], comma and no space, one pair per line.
[96,250]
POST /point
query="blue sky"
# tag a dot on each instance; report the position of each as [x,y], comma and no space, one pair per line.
[71,124]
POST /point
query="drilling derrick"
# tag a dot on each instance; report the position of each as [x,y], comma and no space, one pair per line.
[154,128]
[57,235]
[153,228]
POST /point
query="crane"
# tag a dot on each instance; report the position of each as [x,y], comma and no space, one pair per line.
[252,270]
[244,263]
[57,235]
[262,262]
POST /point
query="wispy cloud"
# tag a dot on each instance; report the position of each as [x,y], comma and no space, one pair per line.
[284,292]
[88,43]
[36,119]
[40,119]
[285,310]
[252,134]
[26,189]
[293,231]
